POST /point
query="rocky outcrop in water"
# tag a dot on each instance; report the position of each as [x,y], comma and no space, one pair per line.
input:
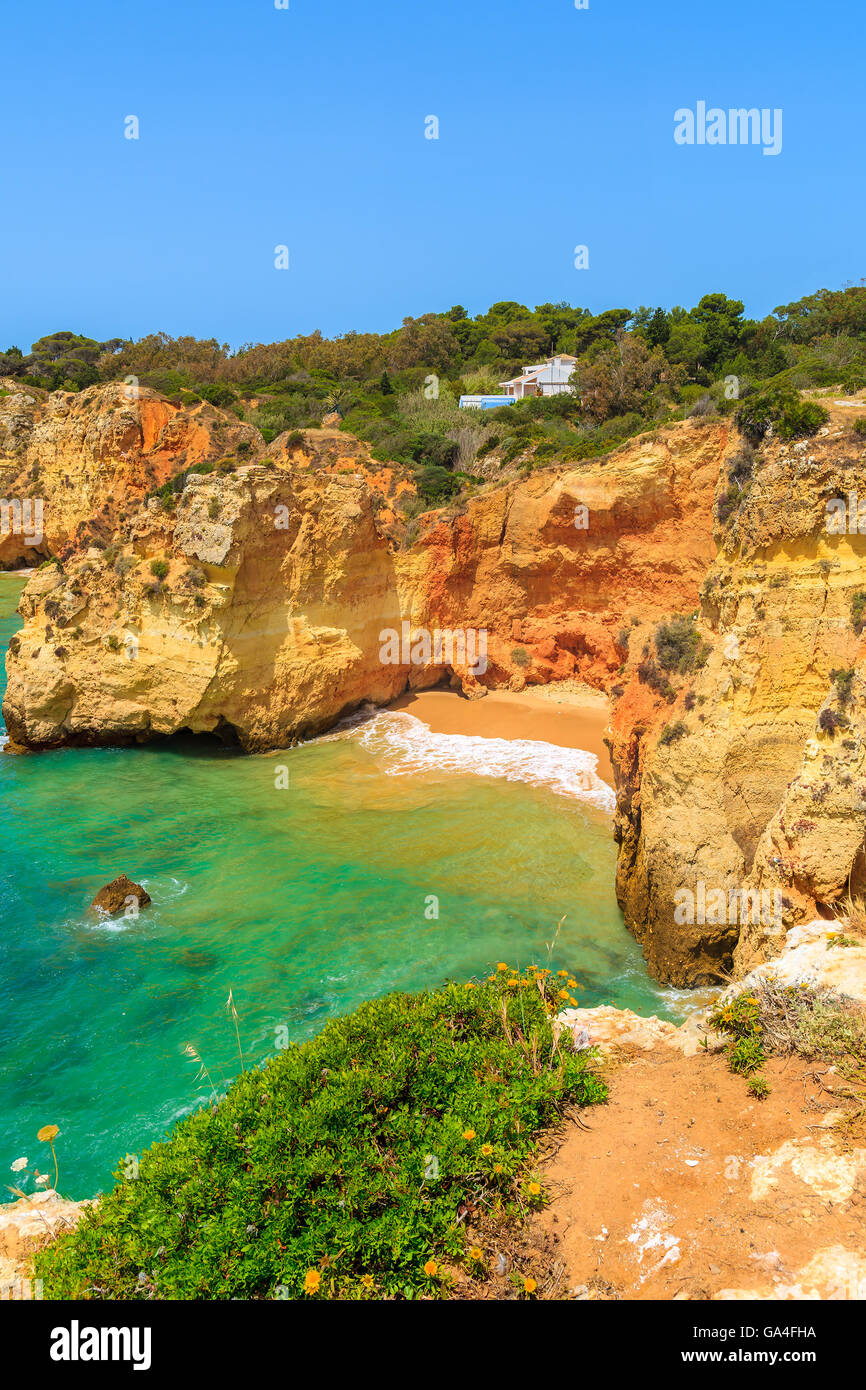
[119,894]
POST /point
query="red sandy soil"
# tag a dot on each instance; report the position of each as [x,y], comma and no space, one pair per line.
[683,1186]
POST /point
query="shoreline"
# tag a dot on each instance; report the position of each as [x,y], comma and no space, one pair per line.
[566,715]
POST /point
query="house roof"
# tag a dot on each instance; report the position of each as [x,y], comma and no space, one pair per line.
[530,373]
[515,380]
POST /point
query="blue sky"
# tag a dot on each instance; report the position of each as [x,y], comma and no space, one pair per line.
[305,127]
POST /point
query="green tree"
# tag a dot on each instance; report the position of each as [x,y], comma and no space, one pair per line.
[720,319]
[658,329]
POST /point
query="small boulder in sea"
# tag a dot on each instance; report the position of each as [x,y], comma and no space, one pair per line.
[115,896]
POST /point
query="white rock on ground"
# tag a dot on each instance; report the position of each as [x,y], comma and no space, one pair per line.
[25,1226]
[809,958]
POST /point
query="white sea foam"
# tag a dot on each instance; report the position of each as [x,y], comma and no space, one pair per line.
[409,747]
[160,894]
[103,921]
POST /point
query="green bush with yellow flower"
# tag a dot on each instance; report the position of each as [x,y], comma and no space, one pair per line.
[740,1018]
[344,1166]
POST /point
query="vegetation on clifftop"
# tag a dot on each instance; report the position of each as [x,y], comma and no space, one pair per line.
[399,391]
[344,1167]
[784,411]
[811,1021]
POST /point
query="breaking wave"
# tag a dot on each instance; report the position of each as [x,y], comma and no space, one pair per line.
[408,747]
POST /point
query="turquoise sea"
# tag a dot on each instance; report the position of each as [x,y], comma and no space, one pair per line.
[302,900]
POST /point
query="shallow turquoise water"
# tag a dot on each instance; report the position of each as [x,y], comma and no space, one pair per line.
[303,901]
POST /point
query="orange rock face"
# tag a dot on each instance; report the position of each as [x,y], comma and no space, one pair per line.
[275,584]
[86,460]
[554,567]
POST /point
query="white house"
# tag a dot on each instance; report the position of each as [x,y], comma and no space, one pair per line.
[550,378]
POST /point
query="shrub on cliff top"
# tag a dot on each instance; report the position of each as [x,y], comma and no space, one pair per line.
[729,502]
[741,466]
[791,417]
[829,721]
[344,1165]
[739,475]
[772,1019]
[168,492]
[216,394]
[435,484]
[740,1018]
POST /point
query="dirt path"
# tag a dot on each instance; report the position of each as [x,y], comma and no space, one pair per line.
[683,1186]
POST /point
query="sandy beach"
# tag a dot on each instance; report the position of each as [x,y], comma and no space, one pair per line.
[568,715]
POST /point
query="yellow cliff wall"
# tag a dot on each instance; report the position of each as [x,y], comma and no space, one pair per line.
[753,792]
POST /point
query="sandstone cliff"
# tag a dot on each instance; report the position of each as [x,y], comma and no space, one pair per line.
[211,619]
[86,460]
[749,773]
[254,608]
